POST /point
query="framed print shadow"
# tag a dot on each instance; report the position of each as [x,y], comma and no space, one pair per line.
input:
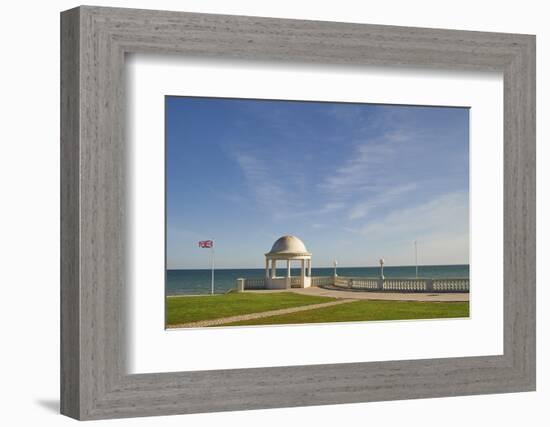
[284,210]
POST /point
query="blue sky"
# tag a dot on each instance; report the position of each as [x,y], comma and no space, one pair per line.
[355,182]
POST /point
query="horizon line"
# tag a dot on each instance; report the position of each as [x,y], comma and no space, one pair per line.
[331,266]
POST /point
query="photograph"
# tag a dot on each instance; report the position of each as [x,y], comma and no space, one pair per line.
[283,212]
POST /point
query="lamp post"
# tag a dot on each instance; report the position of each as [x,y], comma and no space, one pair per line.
[335,264]
[416,257]
[381,268]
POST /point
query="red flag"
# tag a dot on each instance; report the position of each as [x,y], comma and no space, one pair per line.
[206,243]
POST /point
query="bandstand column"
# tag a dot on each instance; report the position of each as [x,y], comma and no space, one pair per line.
[303,272]
[266,268]
[309,267]
[273,268]
[287,268]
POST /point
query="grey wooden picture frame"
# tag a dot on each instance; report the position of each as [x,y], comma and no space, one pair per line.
[94,381]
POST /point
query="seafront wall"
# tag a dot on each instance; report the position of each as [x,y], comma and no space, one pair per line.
[428,285]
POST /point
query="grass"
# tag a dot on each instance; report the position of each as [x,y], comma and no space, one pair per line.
[192,309]
[365,310]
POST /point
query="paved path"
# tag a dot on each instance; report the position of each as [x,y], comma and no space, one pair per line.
[231,319]
[371,295]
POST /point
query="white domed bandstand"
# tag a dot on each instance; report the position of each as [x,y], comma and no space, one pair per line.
[292,250]
[289,249]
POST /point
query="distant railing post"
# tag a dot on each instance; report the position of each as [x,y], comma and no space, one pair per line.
[240,285]
[380,284]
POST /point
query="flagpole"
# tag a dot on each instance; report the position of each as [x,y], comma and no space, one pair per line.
[212,256]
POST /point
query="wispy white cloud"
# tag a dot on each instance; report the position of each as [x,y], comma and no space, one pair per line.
[280,189]
[258,177]
[441,227]
[444,213]
[360,210]
[362,171]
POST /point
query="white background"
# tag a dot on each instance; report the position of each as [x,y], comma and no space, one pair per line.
[154,350]
[29,218]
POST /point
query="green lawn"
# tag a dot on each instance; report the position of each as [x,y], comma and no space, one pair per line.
[192,309]
[368,310]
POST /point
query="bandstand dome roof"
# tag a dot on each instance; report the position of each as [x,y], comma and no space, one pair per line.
[288,245]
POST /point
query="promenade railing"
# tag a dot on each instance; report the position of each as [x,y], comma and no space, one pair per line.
[426,285]
[322,280]
[254,283]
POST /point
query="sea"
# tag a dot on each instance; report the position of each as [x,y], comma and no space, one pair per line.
[198,282]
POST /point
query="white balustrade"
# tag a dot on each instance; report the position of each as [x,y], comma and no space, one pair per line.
[364,283]
[254,283]
[451,285]
[322,280]
[373,284]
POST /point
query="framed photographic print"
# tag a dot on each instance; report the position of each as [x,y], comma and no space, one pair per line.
[283,213]
[353,179]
